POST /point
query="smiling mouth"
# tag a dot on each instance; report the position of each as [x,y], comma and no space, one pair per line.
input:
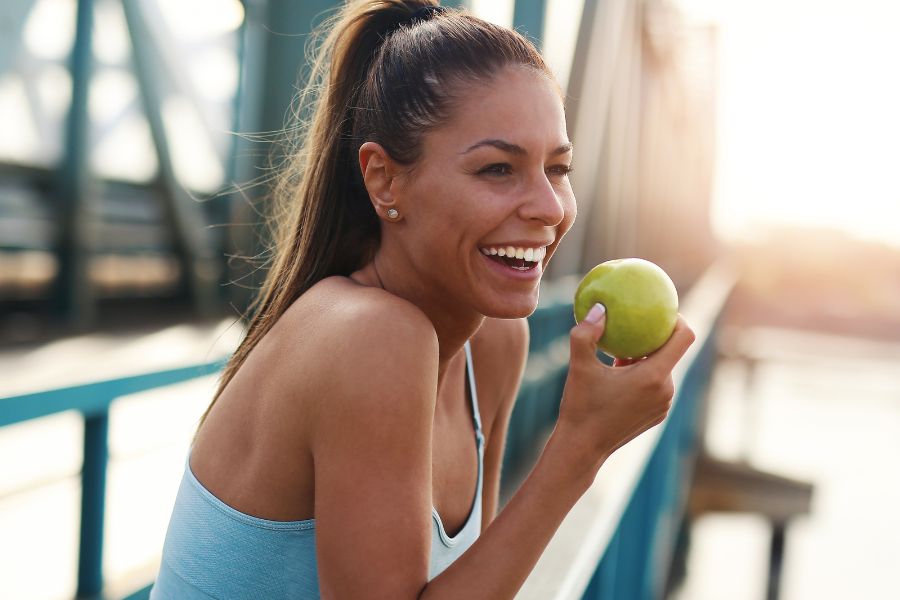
[519,264]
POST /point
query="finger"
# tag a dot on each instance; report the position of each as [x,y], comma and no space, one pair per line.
[680,340]
[584,336]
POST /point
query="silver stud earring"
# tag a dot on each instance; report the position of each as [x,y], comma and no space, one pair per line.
[393,214]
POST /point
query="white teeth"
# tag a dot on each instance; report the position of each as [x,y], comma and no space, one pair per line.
[529,254]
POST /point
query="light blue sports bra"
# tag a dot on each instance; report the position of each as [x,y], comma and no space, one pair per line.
[214,551]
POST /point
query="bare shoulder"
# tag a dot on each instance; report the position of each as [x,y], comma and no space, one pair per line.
[364,363]
[346,343]
[342,318]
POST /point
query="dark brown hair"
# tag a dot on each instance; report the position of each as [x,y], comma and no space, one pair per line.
[385,71]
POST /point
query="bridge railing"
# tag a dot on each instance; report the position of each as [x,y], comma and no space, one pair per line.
[618,538]
[93,400]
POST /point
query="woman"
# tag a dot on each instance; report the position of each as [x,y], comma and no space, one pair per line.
[353,448]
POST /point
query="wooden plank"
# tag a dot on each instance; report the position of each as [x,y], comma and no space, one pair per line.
[723,486]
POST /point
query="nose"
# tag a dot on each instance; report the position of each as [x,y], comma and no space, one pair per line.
[543,202]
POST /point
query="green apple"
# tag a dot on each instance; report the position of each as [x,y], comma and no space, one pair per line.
[641,305]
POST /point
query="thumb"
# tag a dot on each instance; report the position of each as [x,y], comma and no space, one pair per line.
[584,336]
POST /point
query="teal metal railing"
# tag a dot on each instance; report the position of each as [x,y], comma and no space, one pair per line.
[635,563]
[619,539]
[93,401]
[628,563]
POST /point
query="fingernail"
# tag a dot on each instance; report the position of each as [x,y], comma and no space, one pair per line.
[596,313]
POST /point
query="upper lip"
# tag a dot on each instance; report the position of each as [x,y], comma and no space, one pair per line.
[518,244]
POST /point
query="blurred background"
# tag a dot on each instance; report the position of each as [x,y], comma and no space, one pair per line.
[759,138]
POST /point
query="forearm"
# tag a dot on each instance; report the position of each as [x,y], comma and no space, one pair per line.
[500,560]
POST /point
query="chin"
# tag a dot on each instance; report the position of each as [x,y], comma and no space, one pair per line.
[511,306]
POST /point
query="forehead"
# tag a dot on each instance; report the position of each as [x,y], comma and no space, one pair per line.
[518,105]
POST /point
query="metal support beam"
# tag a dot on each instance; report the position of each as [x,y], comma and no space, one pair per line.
[588,99]
[13,17]
[73,297]
[200,267]
[273,68]
[240,278]
[528,19]
[93,501]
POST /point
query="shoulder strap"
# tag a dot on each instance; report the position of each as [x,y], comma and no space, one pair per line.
[473,395]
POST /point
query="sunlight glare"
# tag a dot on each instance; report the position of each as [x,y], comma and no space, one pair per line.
[808,125]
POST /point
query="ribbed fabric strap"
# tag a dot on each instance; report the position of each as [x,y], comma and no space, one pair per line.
[476,414]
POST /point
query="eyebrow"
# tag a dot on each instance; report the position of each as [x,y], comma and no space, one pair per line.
[515,148]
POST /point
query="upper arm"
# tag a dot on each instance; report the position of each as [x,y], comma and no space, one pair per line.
[371,446]
[501,351]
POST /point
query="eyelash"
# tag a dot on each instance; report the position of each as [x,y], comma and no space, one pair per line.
[561,170]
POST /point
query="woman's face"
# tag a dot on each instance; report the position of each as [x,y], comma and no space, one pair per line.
[491,183]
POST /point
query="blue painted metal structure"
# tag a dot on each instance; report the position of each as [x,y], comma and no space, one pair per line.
[635,563]
[528,19]
[184,216]
[93,401]
[73,296]
[645,535]
[628,569]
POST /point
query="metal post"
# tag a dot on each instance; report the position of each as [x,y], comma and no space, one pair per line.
[73,296]
[200,266]
[590,82]
[750,406]
[274,39]
[243,172]
[776,558]
[93,500]
[528,19]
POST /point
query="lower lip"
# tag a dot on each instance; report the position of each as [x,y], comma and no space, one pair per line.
[529,275]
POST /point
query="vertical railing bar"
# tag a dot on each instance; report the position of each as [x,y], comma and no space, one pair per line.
[93,504]
[74,294]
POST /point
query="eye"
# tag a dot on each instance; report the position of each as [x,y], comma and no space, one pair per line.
[501,169]
[559,170]
[496,169]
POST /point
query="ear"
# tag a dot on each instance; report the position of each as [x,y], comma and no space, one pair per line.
[378,172]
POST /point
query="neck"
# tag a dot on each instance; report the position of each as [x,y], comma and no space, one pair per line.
[453,323]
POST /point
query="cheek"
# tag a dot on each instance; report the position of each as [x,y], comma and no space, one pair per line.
[570,211]
[478,209]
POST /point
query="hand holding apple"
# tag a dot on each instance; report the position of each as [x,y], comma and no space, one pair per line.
[641,306]
[603,408]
